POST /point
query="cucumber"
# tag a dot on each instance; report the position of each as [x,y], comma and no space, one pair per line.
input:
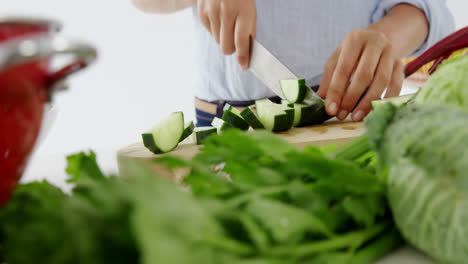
[317,114]
[287,103]
[221,125]
[250,117]
[231,108]
[273,116]
[304,115]
[294,90]
[201,133]
[397,101]
[165,135]
[235,119]
[290,112]
[188,130]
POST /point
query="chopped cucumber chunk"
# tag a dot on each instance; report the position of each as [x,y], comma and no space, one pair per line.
[316,114]
[273,116]
[221,125]
[200,134]
[188,130]
[250,117]
[235,119]
[294,90]
[231,108]
[165,135]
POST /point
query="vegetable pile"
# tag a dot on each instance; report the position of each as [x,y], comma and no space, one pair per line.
[280,205]
[253,198]
[300,108]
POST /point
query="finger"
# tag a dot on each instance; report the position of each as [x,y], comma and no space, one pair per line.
[362,78]
[328,73]
[254,26]
[203,16]
[214,17]
[380,82]
[243,31]
[349,56]
[228,19]
[398,76]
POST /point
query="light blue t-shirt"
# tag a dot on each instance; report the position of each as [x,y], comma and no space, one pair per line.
[302,34]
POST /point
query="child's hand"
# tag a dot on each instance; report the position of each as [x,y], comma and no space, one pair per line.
[231,23]
[370,59]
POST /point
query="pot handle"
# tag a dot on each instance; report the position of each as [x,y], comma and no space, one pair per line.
[83,56]
[46,46]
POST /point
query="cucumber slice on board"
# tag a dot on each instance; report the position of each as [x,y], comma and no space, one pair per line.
[287,103]
[250,117]
[294,90]
[235,119]
[165,135]
[316,114]
[273,116]
[397,101]
[221,125]
[201,133]
[291,114]
[188,130]
[231,108]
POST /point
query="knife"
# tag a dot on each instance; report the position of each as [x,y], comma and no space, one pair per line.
[269,70]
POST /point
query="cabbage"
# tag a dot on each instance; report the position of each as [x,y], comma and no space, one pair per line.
[448,85]
[423,152]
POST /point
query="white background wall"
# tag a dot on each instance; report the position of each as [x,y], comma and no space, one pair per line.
[142,74]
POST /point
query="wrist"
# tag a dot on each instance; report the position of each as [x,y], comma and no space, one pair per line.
[406,26]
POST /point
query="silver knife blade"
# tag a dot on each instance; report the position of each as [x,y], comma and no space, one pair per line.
[268,69]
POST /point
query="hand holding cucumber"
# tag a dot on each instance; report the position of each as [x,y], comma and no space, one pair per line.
[231,23]
[369,58]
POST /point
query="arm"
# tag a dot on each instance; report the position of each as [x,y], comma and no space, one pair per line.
[162,6]
[405,26]
[372,58]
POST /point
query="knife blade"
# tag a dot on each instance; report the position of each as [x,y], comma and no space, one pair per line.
[269,70]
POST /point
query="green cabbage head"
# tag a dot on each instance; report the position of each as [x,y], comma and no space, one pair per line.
[448,85]
[423,151]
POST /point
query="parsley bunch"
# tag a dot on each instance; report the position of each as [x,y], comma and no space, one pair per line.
[252,198]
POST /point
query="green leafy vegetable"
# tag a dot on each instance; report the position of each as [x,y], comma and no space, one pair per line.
[448,85]
[254,199]
[424,154]
[291,197]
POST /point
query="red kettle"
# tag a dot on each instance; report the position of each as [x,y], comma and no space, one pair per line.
[27,81]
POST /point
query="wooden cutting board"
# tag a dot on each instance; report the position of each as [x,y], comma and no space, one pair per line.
[331,132]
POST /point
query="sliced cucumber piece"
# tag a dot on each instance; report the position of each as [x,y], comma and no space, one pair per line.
[188,130]
[287,103]
[221,125]
[300,115]
[317,113]
[294,90]
[165,135]
[250,117]
[290,111]
[273,116]
[235,119]
[397,101]
[201,133]
[304,115]
[231,108]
